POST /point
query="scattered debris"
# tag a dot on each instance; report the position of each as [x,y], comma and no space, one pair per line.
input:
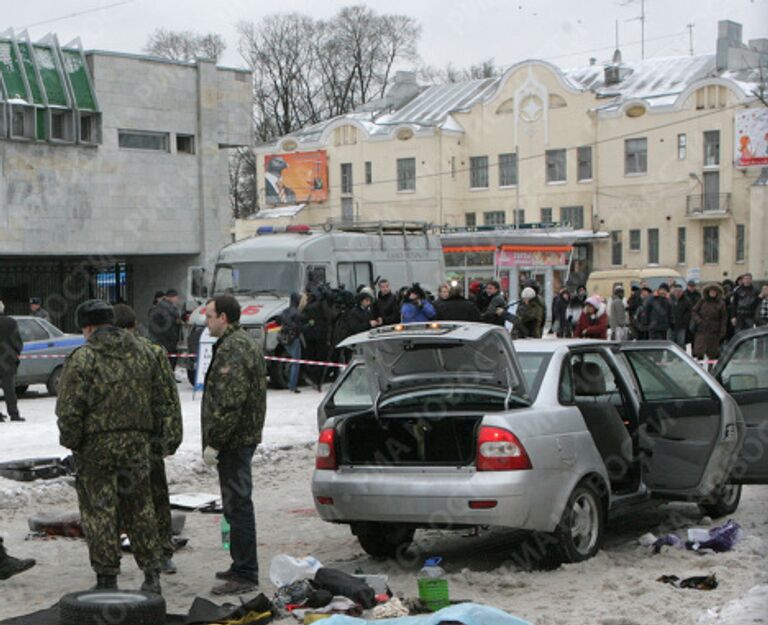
[705,582]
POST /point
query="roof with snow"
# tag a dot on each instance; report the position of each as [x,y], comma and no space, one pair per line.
[657,82]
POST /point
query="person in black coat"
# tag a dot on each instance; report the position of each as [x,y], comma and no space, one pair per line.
[360,318]
[744,302]
[386,309]
[560,323]
[165,324]
[681,316]
[456,307]
[657,313]
[10,349]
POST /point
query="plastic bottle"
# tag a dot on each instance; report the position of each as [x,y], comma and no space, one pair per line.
[433,586]
[225,530]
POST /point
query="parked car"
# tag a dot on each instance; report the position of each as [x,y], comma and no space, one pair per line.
[49,346]
[446,425]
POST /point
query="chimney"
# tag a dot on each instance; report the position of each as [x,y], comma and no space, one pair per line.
[728,36]
[615,71]
[592,60]
[403,90]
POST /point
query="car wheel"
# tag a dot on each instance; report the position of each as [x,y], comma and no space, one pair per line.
[383,540]
[53,381]
[127,607]
[580,532]
[21,389]
[723,503]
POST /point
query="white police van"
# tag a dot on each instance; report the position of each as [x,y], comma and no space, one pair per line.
[263,270]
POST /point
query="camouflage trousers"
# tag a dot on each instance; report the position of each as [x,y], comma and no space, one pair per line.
[114,492]
[162,504]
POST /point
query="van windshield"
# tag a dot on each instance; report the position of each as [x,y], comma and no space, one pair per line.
[278,277]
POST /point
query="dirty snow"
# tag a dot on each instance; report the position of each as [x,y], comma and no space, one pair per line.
[618,587]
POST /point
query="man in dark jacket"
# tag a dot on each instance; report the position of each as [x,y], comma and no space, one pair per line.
[495,310]
[232,418]
[634,302]
[657,313]
[744,302]
[10,349]
[456,307]
[165,324]
[560,324]
[681,316]
[291,323]
[360,318]
[386,308]
[109,409]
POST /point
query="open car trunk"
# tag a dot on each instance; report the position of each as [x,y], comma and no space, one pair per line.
[408,440]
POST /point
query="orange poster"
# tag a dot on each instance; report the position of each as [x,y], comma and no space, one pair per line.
[296,178]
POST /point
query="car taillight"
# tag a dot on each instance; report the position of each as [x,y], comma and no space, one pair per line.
[325,457]
[500,450]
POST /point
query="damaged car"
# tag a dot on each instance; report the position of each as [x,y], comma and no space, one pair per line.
[451,425]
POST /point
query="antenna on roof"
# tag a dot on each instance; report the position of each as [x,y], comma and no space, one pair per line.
[690,37]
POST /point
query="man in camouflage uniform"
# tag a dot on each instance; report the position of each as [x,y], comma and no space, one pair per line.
[106,407]
[233,410]
[161,445]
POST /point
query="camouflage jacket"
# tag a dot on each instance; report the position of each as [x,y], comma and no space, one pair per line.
[235,396]
[170,408]
[110,384]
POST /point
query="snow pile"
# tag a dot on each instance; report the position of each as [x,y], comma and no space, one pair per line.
[15,495]
[750,609]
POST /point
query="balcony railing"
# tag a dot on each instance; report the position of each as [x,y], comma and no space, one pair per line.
[708,205]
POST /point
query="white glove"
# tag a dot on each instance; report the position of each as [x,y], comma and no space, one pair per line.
[210,456]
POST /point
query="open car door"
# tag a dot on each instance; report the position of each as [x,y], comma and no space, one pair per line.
[690,429]
[743,372]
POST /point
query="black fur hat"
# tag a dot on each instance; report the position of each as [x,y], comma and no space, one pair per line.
[94,312]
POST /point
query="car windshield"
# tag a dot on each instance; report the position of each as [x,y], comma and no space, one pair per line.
[281,278]
[534,366]
[437,400]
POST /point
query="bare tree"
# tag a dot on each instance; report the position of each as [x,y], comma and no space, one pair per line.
[242,182]
[185,45]
[452,74]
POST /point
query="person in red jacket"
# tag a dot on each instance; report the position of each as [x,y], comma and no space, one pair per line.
[593,323]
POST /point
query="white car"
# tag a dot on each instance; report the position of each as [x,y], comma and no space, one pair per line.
[448,425]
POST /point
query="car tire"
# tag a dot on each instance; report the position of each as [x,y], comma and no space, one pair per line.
[21,389]
[723,503]
[53,381]
[127,607]
[580,532]
[383,540]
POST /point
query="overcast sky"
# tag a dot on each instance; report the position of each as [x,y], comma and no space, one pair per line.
[454,31]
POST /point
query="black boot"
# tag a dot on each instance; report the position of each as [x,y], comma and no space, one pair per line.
[10,566]
[105,582]
[152,582]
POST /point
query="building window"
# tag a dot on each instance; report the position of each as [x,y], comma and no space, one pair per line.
[584,155]
[546,215]
[507,170]
[470,220]
[681,246]
[494,218]
[740,243]
[346,178]
[556,166]
[653,246]
[519,216]
[368,172]
[478,172]
[634,240]
[140,140]
[711,148]
[572,216]
[90,128]
[406,174]
[18,123]
[682,146]
[347,209]
[635,156]
[185,144]
[617,257]
[711,244]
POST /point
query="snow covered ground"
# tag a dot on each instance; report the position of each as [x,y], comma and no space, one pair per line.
[291,420]
[617,587]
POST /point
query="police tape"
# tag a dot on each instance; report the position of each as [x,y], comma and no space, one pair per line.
[301,361]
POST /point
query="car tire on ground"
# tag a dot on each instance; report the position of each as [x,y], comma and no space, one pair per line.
[383,540]
[723,503]
[21,389]
[580,532]
[127,607]
[53,381]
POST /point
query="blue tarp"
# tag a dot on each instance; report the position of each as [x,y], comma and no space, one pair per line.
[466,613]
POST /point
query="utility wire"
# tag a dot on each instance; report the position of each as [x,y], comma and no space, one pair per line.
[77,14]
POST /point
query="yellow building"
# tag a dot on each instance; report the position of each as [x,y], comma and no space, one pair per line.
[643,152]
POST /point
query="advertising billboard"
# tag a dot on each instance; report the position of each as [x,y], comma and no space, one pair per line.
[299,177]
[751,142]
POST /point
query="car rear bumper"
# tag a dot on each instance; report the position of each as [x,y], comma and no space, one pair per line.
[424,497]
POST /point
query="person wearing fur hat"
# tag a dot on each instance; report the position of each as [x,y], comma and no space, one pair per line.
[710,320]
[360,318]
[530,316]
[417,308]
[593,323]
